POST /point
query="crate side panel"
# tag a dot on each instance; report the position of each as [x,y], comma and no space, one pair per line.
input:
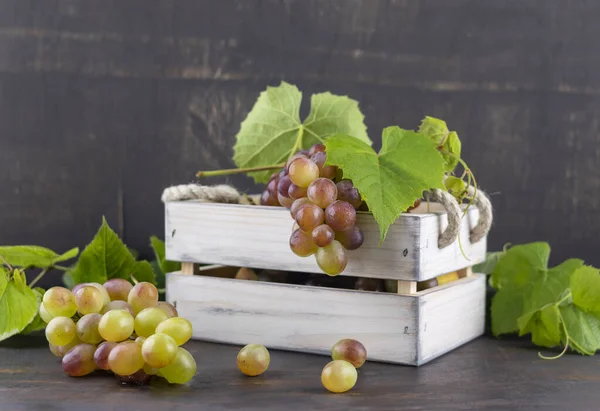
[258,237]
[297,318]
[451,316]
[435,261]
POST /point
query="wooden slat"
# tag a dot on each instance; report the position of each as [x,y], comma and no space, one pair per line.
[258,237]
[394,328]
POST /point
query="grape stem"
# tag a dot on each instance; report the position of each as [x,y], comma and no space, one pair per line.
[6,263]
[226,172]
[298,143]
[567,337]
[229,171]
[39,277]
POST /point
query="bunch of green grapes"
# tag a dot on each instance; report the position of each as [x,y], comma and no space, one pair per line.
[117,327]
[322,203]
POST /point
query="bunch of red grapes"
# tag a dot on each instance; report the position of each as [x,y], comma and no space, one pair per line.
[323,205]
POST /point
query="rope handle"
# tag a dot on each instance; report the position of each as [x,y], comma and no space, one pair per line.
[227,194]
[454,213]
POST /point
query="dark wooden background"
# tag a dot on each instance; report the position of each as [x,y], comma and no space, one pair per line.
[104,103]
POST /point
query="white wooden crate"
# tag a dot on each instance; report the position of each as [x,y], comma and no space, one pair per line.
[402,329]
[406,328]
[258,237]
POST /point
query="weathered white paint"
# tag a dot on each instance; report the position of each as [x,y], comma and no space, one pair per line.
[258,237]
[394,328]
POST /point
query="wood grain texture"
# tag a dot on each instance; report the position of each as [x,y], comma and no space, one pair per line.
[404,329]
[102,104]
[258,237]
[484,375]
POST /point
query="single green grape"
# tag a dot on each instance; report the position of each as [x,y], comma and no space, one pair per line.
[168,308]
[350,350]
[303,171]
[59,302]
[159,350]
[147,320]
[150,370]
[60,331]
[180,329]
[126,358]
[253,360]
[87,329]
[339,376]
[103,291]
[116,325]
[181,370]
[332,259]
[44,314]
[140,340]
[79,361]
[89,300]
[143,295]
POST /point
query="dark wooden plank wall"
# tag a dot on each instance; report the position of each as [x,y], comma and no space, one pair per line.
[103,103]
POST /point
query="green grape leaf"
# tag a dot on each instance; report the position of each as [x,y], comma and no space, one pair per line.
[585,289]
[34,256]
[583,329]
[391,181]
[18,303]
[142,271]
[165,265]
[134,253]
[37,323]
[67,279]
[107,257]
[273,131]
[437,130]
[525,284]
[543,324]
[506,308]
[159,274]
[488,266]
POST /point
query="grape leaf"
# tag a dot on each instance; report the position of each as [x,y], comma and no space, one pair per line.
[391,181]
[525,285]
[488,266]
[37,323]
[543,324]
[34,256]
[18,303]
[272,131]
[438,132]
[585,289]
[165,265]
[583,329]
[142,271]
[107,257]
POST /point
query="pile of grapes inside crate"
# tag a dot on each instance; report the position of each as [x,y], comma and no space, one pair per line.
[321,280]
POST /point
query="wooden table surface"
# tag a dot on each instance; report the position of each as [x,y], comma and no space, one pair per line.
[486,374]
